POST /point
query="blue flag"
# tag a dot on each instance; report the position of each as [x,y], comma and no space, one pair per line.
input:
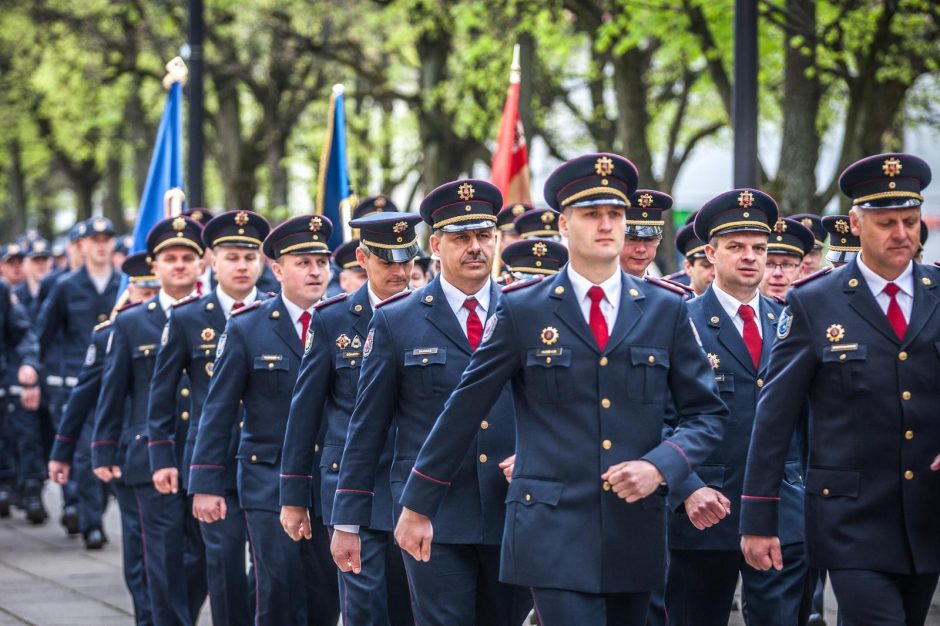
[166,167]
[333,192]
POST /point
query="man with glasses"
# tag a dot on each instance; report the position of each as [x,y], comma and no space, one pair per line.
[786,247]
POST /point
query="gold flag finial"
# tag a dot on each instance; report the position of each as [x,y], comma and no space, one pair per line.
[176,72]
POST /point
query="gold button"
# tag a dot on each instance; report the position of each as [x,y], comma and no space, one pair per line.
[137,437]
[352,361]
[909,435]
[760,382]
[102,317]
[241,424]
[184,392]
[651,359]
[147,352]
[606,444]
[605,403]
[270,366]
[184,415]
[908,475]
[358,308]
[316,447]
[606,486]
[902,356]
[207,352]
[528,497]
[424,360]
[825,492]
[334,466]
[559,290]
[906,395]
[548,359]
[483,458]
[842,357]
[603,361]
[484,424]
[254,458]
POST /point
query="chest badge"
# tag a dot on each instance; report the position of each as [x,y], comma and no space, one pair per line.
[207,334]
[342,341]
[549,335]
[210,368]
[835,333]
[356,342]
[713,360]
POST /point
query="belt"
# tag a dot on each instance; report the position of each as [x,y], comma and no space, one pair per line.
[61,381]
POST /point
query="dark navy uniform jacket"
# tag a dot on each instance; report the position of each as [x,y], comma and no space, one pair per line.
[128,370]
[258,360]
[871,500]
[325,395]
[18,343]
[83,397]
[739,384]
[418,354]
[69,314]
[578,412]
[191,338]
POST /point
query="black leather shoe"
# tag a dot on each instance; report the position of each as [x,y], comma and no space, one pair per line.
[32,502]
[94,539]
[815,619]
[70,520]
[6,500]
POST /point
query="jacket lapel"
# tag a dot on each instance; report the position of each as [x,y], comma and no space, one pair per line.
[863,302]
[361,310]
[769,330]
[628,313]
[441,316]
[925,303]
[568,309]
[726,331]
[284,327]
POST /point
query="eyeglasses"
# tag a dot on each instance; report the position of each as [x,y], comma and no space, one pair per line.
[786,266]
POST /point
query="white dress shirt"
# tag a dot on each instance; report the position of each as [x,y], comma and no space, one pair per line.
[100,282]
[731,305]
[610,305]
[456,298]
[295,312]
[227,302]
[373,299]
[167,301]
[905,297]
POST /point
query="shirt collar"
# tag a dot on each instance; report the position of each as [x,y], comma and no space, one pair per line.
[166,301]
[292,309]
[580,284]
[227,302]
[456,298]
[877,284]
[731,304]
[373,299]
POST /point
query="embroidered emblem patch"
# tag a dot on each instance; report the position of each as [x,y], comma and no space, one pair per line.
[221,347]
[90,355]
[367,349]
[488,329]
[785,323]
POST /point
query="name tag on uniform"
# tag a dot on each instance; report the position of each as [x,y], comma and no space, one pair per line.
[842,347]
[146,347]
[421,351]
[720,378]
[550,352]
[207,346]
[352,355]
[271,357]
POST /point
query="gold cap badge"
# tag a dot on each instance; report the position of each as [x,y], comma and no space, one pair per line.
[604,166]
[891,167]
[465,191]
[745,199]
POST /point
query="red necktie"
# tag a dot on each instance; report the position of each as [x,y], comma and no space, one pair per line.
[596,319]
[237,306]
[474,326]
[752,337]
[304,325]
[895,316]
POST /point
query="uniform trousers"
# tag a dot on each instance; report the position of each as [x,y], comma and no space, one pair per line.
[132,548]
[700,587]
[460,586]
[869,598]
[560,607]
[174,556]
[377,595]
[231,590]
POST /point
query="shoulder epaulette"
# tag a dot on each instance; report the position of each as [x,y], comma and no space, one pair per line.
[523,283]
[811,277]
[188,299]
[129,305]
[397,296]
[325,303]
[937,263]
[661,283]
[778,300]
[248,307]
[684,288]
[674,275]
[271,294]
[102,325]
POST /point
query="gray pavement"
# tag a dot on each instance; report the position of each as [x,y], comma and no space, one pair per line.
[49,579]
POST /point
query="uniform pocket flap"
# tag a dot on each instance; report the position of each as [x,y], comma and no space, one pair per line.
[529,491]
[346,360]
[259,452]
[725,382]
[331,457]
[548,357]
[712,475]
[843,352]
[646,355]
[830,482]
[422,357]
[273,362]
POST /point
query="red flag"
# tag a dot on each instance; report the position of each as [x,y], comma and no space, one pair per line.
[510,170]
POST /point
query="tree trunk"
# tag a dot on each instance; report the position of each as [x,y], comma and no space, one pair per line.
[277,152]
[113,208]
[16,182]
[795,184]
[141,135]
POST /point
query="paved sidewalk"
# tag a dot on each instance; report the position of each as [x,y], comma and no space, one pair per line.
[49,579]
